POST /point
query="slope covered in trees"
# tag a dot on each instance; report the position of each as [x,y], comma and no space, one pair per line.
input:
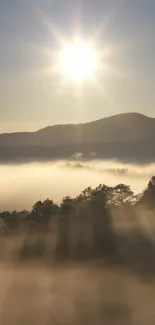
[106,222]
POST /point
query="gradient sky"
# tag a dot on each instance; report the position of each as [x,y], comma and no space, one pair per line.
[31,98]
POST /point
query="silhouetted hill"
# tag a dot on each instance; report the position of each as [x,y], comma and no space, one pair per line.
[128,136]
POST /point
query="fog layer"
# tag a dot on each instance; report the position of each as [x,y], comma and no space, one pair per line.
[22,185]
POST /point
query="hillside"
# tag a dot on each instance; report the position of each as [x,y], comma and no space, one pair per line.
[128,135]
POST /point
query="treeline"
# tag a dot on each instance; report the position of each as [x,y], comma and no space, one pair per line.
[84,227]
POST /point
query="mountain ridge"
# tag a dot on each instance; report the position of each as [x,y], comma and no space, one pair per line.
[121,136]
[83,123]
[98,120]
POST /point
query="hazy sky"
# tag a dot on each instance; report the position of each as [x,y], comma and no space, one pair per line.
[31,96]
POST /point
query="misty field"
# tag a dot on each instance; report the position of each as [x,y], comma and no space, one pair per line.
[89,259]
[79,294]
[42,290]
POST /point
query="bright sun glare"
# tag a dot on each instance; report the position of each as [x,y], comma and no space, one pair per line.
[78,61]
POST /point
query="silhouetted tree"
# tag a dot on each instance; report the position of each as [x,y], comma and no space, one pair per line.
[121,194]
[148,196]
[43,212]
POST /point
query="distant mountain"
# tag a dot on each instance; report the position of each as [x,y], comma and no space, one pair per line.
[128,137]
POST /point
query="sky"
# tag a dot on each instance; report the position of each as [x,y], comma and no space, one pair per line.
[32,95]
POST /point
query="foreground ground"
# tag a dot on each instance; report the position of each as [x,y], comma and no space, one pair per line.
[87,294]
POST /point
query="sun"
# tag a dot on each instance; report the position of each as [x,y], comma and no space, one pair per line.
[78,61]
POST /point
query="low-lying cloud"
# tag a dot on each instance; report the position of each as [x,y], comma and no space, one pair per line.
[23,184]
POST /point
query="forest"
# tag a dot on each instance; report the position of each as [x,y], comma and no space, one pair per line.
[108,223]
